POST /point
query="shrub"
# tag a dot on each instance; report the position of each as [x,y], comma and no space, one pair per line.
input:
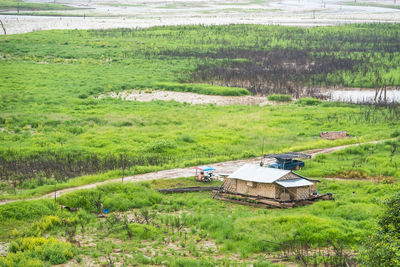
[45,223]
[115,197]
[382,248]
[308,101]
[396,133]
[280,98]
[143,231]
[200,88]
[187,139]
[26,210]
[161,146]
[34,251]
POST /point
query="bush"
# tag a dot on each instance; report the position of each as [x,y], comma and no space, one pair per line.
[396,133]
[308,101]
[45,223]
[280,98]
[200,88]
[161,146]
[382,248]
[34,251]
[26,210]
[142,231]
[115,197]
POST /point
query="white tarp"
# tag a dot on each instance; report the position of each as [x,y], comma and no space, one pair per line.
[256,173]
[294,183]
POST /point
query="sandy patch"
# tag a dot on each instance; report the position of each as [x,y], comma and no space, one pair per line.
[4,249]
[191,98]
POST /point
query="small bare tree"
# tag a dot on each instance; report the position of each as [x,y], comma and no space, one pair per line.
[4,28]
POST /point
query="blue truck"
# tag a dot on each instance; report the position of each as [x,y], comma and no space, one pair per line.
[287,164]
[287,161]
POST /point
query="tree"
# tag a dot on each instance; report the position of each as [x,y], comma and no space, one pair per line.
[383,247]
[4,29]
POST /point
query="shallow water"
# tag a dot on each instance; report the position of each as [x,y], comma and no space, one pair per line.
[359,96]
[102,14]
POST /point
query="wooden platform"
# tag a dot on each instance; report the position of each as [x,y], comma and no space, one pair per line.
[265,202]
[188,189]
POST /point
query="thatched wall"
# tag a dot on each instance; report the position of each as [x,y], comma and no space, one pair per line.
[250,188]
[269,190]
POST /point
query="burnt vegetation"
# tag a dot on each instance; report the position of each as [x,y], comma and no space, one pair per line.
[17,168]
[285,71]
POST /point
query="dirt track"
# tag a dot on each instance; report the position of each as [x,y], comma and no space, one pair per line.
[191,98]
[226,167]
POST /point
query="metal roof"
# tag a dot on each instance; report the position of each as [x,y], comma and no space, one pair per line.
[294,183]
[290,155]
[205,168]
[256,173]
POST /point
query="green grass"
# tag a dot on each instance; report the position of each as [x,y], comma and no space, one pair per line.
[52,123]
[50,113]
[54,128]
[204,89]
[280,98]
[238,232]
[379,161]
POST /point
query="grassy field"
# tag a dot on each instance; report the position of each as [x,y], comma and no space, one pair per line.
[371,161]
[146,227]
[54,128]
[192,229]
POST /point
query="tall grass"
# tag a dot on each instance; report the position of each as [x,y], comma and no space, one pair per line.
[370,161]
[280,98]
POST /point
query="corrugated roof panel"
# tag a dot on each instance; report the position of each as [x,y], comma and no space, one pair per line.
[206,168]
[256,173]
[294,183]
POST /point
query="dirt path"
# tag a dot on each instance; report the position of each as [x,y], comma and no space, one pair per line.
[186,97]
[226,167]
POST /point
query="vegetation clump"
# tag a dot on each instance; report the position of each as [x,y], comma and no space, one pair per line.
[280,98]
[308,101]
[37,251]
[383,246]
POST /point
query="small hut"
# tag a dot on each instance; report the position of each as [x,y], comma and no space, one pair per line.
[258,181]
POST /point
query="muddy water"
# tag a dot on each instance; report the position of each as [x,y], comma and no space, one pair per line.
[102,14]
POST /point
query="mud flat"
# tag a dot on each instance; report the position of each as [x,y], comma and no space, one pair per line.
[191,98]
[101,14]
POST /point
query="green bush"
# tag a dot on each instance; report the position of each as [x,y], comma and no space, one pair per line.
[35,251]
[115,197]
[308,101]
[200,88]
[45,223]
[189,262]
[161,146]
[396,133]
[143,231]
[26,210]
[280,98]
[382,248]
